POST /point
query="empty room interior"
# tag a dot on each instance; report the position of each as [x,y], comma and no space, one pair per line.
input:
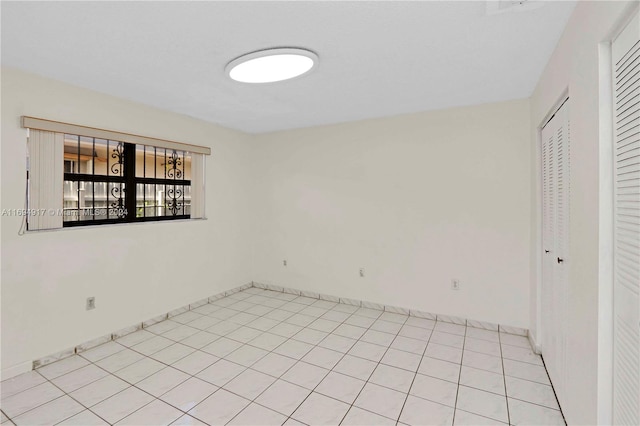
[320,213]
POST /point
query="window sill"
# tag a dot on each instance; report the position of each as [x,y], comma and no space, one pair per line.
[111,225]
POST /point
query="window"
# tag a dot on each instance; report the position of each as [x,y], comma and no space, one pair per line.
[108,181]
[86,176]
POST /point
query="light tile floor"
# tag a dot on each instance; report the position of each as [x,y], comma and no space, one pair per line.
[260,357]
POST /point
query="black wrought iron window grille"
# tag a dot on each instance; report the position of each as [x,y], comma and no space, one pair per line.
[109,181]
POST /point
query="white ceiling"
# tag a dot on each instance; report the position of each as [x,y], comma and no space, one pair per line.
[376,58]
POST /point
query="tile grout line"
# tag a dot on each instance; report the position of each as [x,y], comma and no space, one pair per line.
[264,287]
[416,374]
[284,301]
[353,377]
[504,379]
[219,387]
[231,293]
[134,385]
[9,418]
[297,361]
[222,387]
[64,394]
[129,383]
[168,365]
[196,350]
[218,336]
[329,370]
[316,345]
[272,351]
[484,325]
[136,327]
[373,371]
[301,330]
[6,417]
[527,380]
[47,380]
[219,358]
[351,405]
[341,358]
[554,391]
[464,341]
[494,356]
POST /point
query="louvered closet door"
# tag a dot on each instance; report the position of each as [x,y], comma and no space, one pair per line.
[626,310]
[555,221]
[549,171]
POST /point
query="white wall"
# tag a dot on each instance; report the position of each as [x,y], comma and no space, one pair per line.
[416,200]
[575,66]
[135,271]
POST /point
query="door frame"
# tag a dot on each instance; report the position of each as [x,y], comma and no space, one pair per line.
[606,162]
[537,339]
[606,216]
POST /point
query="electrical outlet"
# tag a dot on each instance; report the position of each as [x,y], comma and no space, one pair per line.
[91,303]
[455,284]
[362,272]
[284,262]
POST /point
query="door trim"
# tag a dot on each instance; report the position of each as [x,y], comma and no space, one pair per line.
[606,218]
[537,339]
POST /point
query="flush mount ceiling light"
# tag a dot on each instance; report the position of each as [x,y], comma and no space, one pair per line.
[270,65]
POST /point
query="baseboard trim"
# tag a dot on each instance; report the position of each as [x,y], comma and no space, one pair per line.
[119,333]
[534,345]
[399,310]
[16,370]
[24,367]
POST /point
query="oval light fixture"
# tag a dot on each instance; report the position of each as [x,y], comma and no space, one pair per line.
[271,65]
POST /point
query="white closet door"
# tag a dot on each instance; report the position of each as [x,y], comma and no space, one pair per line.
[555,219]
[549,236]
[561,272]
[626,310]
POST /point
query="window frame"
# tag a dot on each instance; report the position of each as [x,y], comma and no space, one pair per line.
[45,192]
[127,159]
